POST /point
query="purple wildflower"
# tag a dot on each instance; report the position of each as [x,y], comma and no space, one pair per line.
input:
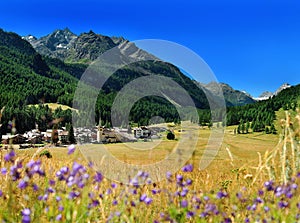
[9,157]
[187,168]
[266,209]
[26,219]
[76,168]
[211,208]
[253,207]
[98,177]
[190,214]
[3,170]
[45,197]
[15,174]
[148,200]
[283,204]
[204,214]
[35,187]
[168,175]
[278,191]
[221,195]
[85,176]
[143,197]
[269,185]
[26,215]
[184,203]
[189,182]
[58,198]
[25,211]
[258,200]
[133,191]
[115,202]
[289,194]
[91,164]
[1,193]
[239,195]
[52,182]
[108,191]
[22,184]
[50,190]
[64,170]
[227,220]
[30,164]
[58,217]
[95,203]
[73,195]
[184,192]
[71,149]
[134,182]
[155,191]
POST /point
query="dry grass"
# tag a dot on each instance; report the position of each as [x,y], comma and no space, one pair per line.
[243,161]
[54,106]
[243,150]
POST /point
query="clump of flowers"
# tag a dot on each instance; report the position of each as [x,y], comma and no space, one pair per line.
[39,190]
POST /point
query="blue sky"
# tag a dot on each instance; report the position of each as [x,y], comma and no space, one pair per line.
[251,45]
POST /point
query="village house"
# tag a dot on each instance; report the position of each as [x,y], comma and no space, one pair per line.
[142,132]
[15,139]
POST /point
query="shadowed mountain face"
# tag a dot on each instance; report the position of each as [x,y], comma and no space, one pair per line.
[232,97]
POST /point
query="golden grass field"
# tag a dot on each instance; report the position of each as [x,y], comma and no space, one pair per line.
[243,147]
[54,106]
[239,167]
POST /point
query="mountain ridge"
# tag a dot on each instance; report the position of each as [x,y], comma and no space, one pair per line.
[232,96]
[267,94]
[87,46]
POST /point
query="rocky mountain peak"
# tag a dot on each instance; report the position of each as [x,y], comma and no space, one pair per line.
[267,94]
[29,38]
[232,97]
[282,87]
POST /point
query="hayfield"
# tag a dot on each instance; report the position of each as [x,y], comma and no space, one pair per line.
[235,187]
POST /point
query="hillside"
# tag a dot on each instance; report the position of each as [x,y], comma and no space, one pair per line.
[27,77]
[232,97]
[85,48]
[262,113]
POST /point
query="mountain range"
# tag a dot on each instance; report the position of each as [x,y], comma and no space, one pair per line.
[72,53]
[267,94]
[47,69]
[70,48]
[85,48]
